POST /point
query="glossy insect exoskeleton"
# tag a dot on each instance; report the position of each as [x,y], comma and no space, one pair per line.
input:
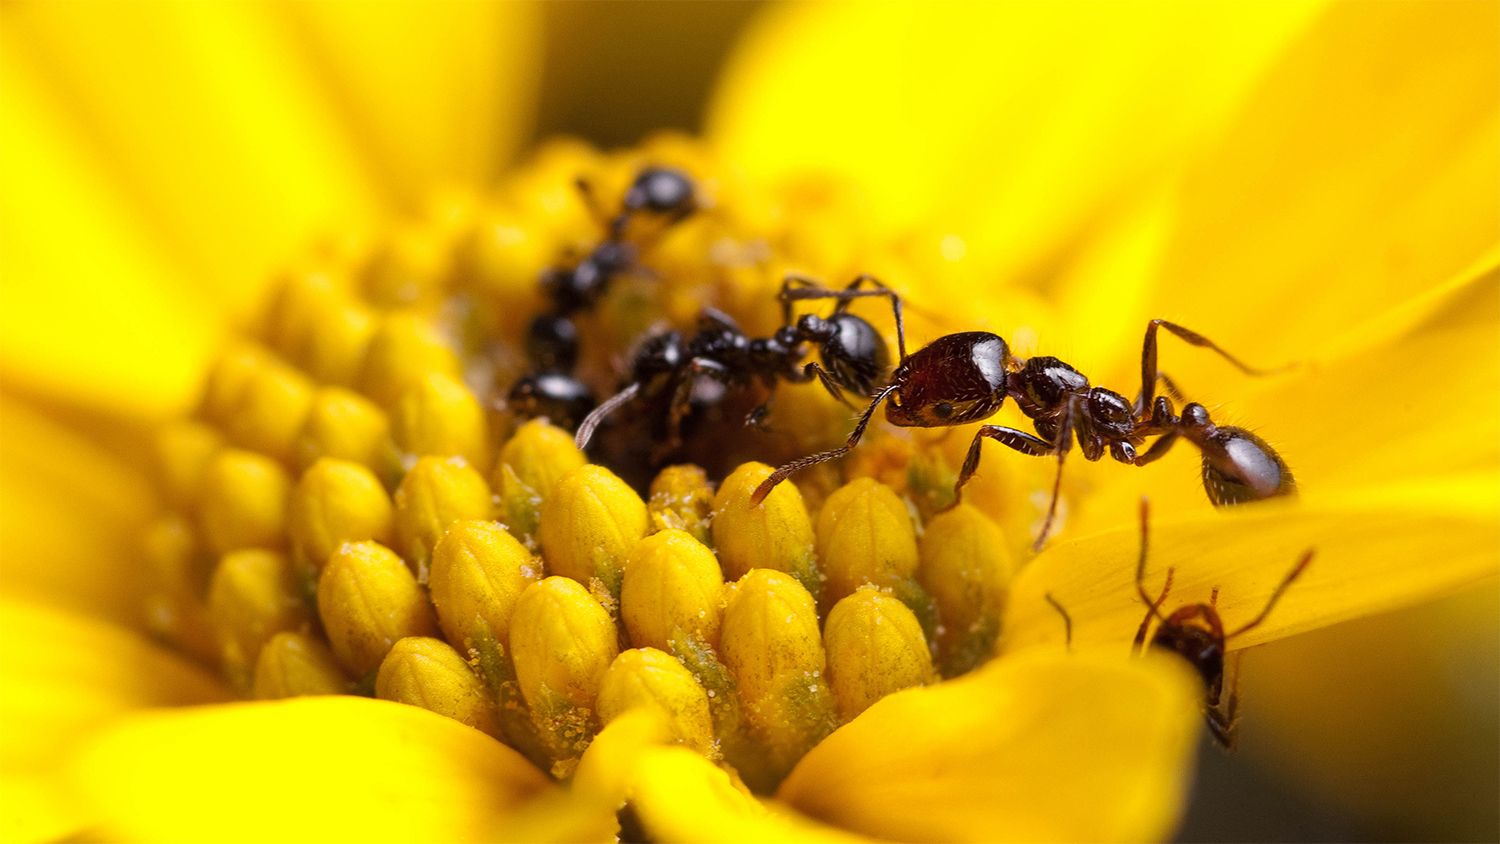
[966,377]
[663,196]
[669,367]
[1196,633]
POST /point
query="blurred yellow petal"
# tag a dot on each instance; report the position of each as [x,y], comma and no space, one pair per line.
[67,504]
[65,675]
[1014,123]
[1378,547]
[92,308]
[435,94]
[307,769]
[1035,747]
[207,120]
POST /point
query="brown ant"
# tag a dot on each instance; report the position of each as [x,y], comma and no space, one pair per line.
[659,193]
[965,377]
[668,366]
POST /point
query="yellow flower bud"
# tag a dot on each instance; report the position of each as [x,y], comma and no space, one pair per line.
[252,597]
[439,416]
[589,523]
[335,353]
[681,499]
[429,673]
[770,643]
[346,425]
[966,567]
[646,677]
[297,307]
[497,264]
[259,401]
[478,573]
[437,492]
[244,502]
[178,570]
[403,351]
[530,464]
[368,600]
[776,534]
[183,451]
[865,535]
[410,269]
[875,647]
[336,501]
[292,664]
[672,590]
[562,641]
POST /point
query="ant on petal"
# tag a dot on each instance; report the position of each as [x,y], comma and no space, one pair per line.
[965,377]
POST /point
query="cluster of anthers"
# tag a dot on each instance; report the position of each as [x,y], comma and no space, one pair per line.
[387,492]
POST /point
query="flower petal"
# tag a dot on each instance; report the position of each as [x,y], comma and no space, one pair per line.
[304,769]
[1377,548]
[1035,747]
[981,117]
[65,675]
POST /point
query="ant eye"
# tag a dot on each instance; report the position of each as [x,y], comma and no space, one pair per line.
[942,410]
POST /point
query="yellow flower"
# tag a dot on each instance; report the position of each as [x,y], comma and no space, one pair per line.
[1304,183]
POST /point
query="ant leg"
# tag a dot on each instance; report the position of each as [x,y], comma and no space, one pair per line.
[1009,437]
[1224,713]
[788,469]
[682,397]
[591,199]
[1153,609]
[1292,575]
[812,368]
[1148,358]
[1064,435]
[1067,620]
[1158,449]
[795,287]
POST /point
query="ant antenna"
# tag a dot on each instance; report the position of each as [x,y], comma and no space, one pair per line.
[590,422]
[1276,596]
[1140,566]
[1067,619]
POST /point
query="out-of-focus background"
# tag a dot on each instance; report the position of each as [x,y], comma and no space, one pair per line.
[1385,728]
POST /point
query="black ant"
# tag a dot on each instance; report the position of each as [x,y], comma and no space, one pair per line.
[668,366]
[659,193]
[965,377]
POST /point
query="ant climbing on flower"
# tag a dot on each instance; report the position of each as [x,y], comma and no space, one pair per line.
[965,377]
[661,194]
[1195,632]
[668,366]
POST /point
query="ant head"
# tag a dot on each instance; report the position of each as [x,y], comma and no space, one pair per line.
[1195,633]
[954,380]
[660,354]
[661,190]
[557,396]
[1238,466]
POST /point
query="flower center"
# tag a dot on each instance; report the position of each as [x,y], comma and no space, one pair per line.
[359,505]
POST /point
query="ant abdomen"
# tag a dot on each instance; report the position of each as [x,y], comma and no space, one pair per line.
[1239,466]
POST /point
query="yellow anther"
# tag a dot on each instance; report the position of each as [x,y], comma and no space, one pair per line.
[302,298]
[403,351]
[334,502]
[589,523]
[875,647]
[478,573]
[770,643]
[429,673]
[865,535]
[776,534]
[673,592]
[258,400]
[646,677]
[497,264]
[177,573]
[183,451]
[439,416]
[409,269]
[292,664]
[335,353]
[368,601]
[345,425]
[681,499]
[967,570]
[437,492]
[530,464]
[244,502]
[545,193]
[562,641]
[253,596]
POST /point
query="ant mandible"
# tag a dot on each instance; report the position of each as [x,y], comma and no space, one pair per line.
[853,356]
[1196,633]
[965,377]
[660,193]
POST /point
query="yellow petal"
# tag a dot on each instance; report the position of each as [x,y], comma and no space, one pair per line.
[435,95]
[65,675]
[982,117]
[1377,548]
[1034,747]
[306,769]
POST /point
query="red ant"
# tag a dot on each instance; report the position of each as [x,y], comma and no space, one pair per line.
[668,366]
[965,377]
[1195,632]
